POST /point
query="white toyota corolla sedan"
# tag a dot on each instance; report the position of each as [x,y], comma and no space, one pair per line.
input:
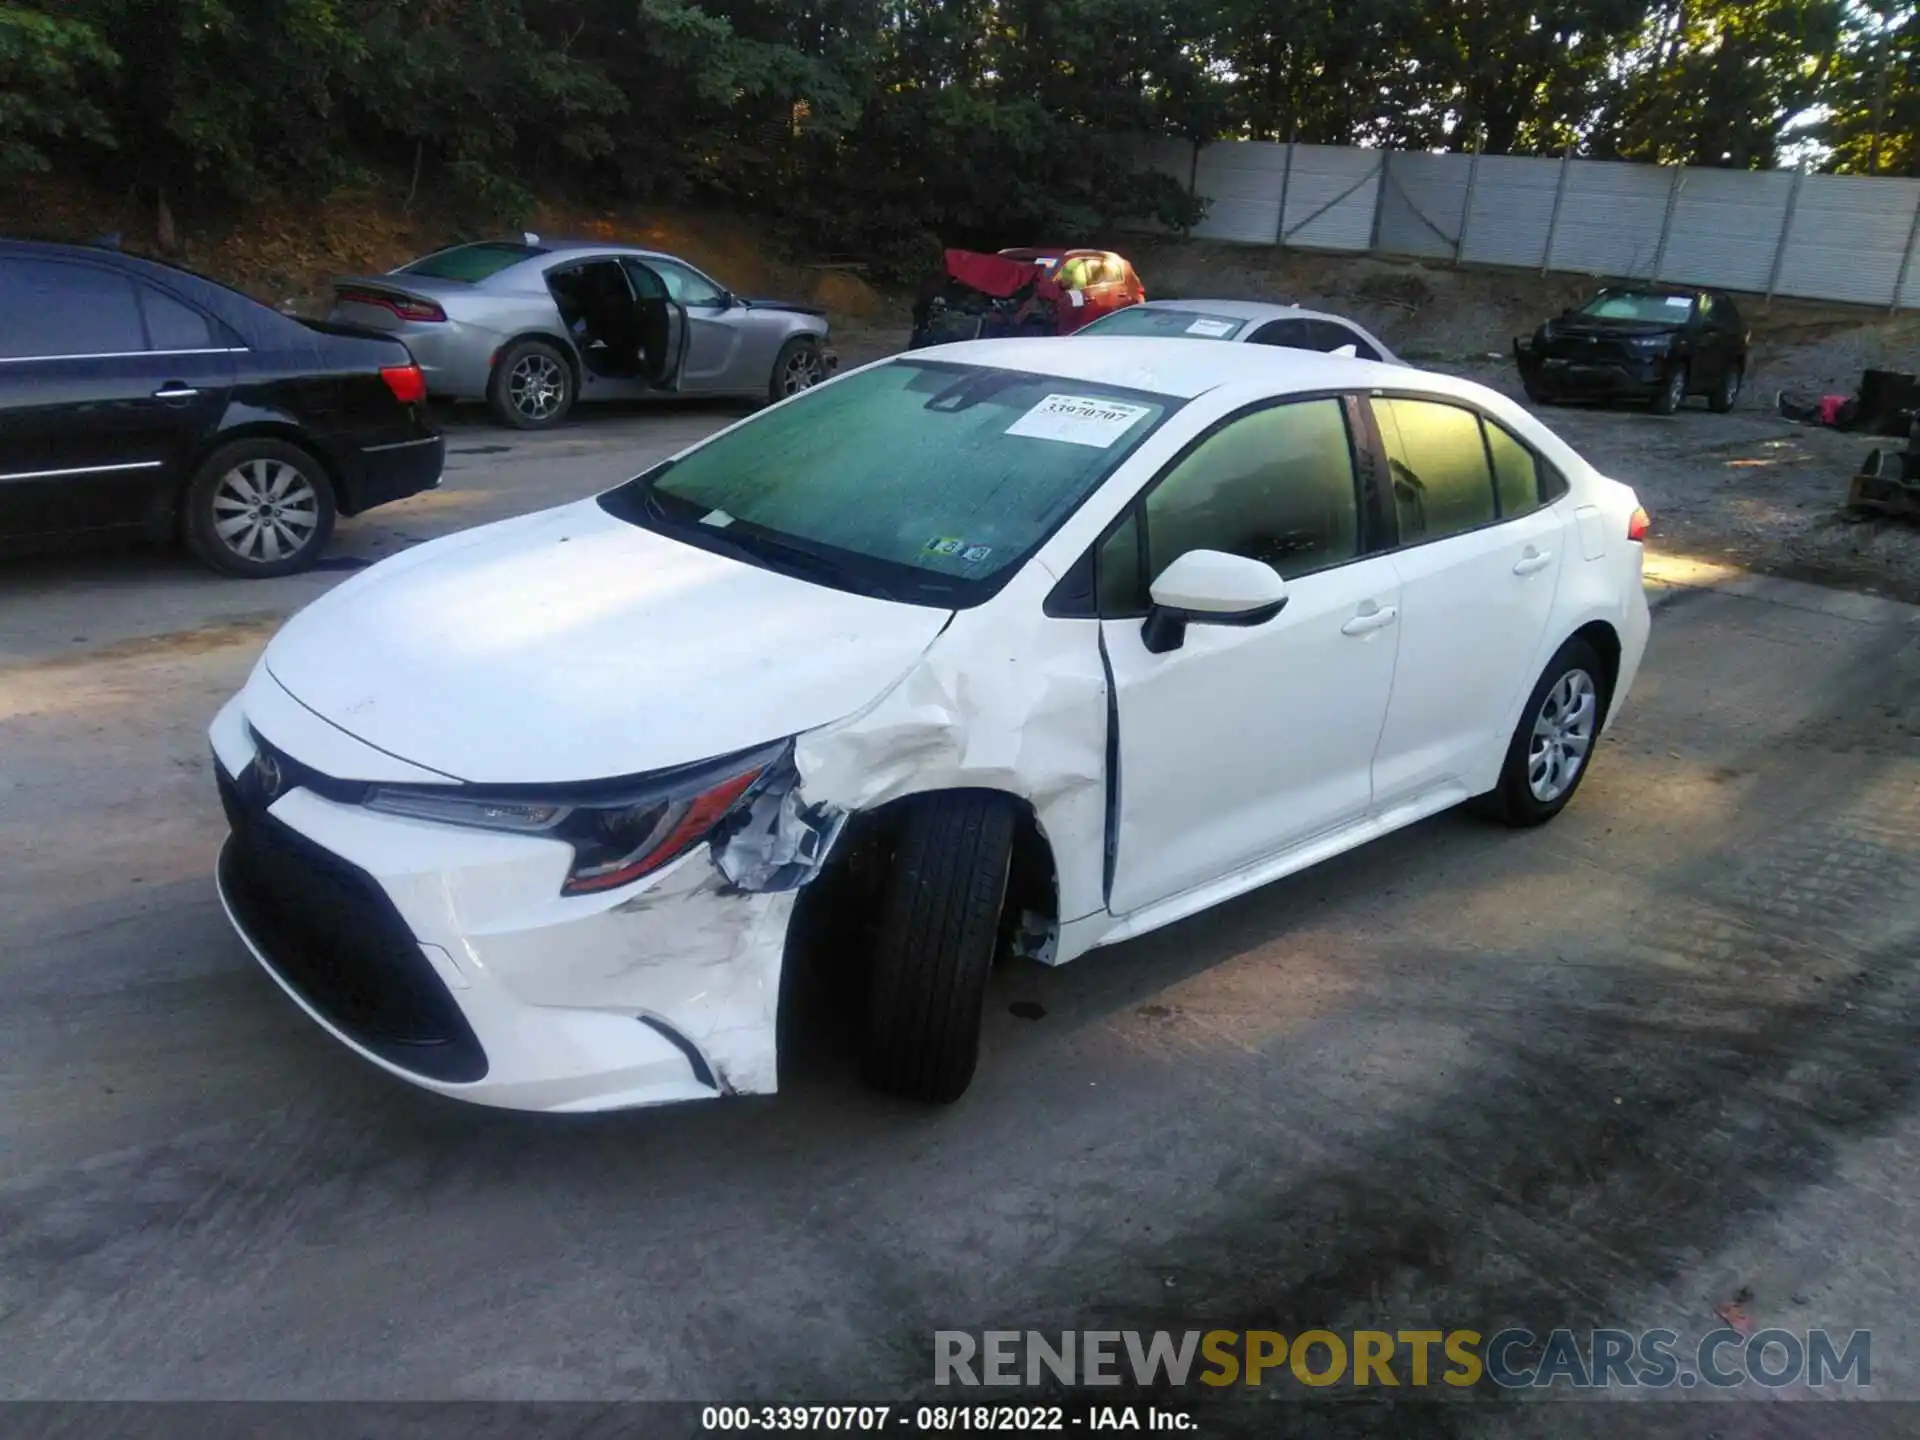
[1010,647]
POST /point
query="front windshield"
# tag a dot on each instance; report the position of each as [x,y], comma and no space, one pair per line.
[1167,322]
[1622,305]
[921,481]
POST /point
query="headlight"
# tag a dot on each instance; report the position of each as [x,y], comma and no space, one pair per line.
[619,831]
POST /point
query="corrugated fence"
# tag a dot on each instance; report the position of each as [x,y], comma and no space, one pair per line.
[1820,237]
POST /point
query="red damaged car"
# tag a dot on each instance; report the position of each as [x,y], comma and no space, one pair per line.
[1021,292]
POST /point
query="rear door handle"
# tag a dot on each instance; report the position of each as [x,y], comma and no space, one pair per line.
[1532,561]
[1370,620]
[173,390]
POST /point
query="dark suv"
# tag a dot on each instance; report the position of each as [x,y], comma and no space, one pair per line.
[137,398]
[1656,344]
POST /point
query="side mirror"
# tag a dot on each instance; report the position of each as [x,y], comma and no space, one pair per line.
[1210,587]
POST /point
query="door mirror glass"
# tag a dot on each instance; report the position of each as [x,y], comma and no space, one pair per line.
[1210,587]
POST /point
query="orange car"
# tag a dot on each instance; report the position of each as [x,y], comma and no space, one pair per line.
[1021,292]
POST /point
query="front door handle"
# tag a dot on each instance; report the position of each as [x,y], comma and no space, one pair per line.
[1532,561]
[1375,619]
[174,390]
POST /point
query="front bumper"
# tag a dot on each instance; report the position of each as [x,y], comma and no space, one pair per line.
[1586,373]
[449,958]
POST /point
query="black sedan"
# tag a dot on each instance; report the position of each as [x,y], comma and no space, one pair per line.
[1656,345]
[141,399]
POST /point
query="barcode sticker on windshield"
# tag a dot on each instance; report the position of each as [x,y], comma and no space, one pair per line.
[1679,302]
[1213,329]
[1078,420]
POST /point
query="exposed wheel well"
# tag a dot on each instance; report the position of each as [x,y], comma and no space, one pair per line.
[830,938]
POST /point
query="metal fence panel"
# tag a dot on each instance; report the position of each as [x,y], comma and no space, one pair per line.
[1241,180]
[1849,233]
[1610,218]
[1423,199]
[1846,238]
[1726,225]
[1512,208]
[1331,196]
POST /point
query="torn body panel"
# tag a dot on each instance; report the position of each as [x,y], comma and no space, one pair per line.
[1014,702]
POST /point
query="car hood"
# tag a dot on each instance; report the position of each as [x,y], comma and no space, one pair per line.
[754,303]
[1591,327]
[568,645]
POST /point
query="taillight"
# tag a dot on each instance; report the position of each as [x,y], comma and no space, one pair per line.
[407,382]
[1639,524]
[404,306]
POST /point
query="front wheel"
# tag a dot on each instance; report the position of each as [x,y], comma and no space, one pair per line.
[799,366]
[939,929]
[1553,744]
[532,386]
[1672,393]
[1727,392]
[259,508]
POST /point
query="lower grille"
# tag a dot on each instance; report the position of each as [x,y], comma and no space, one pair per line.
[334,937]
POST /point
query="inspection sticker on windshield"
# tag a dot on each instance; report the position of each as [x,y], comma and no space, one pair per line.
[1078,420]
[1213,329]
[1679,302]
[719,519]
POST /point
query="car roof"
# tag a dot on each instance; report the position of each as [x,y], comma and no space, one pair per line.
[550,251]
[1246,309]
[1186,368]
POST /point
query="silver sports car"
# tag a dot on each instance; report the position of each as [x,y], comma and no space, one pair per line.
[1252,322]
[533,328]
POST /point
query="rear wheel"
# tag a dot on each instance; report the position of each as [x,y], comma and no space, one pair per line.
[1553,745]
[259,508]
[1672,393]
[939,929]
[532,386]
[799,366]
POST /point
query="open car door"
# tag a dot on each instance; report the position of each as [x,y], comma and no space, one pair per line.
[663,326]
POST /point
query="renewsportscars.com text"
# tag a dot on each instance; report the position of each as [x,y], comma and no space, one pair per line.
[1599,1359]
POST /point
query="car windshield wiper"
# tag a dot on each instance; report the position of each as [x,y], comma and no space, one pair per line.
[753,546]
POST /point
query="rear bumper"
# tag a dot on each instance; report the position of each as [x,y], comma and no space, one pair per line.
[393,470]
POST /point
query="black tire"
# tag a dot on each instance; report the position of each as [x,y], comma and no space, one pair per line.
[274,500]
[939,928]
[799,366]
[1513,800]
[532,387]
[1535,394]
[1727,393]
[1672,393]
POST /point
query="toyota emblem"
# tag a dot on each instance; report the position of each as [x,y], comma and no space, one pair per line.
[268,770]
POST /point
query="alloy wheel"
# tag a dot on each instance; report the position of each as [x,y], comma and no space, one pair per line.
[802,371]
[265,510]
[1563,733]
[537,386]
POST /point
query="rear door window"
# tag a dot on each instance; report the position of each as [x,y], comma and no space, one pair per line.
[1442,480]
[55,309]
[173,325]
